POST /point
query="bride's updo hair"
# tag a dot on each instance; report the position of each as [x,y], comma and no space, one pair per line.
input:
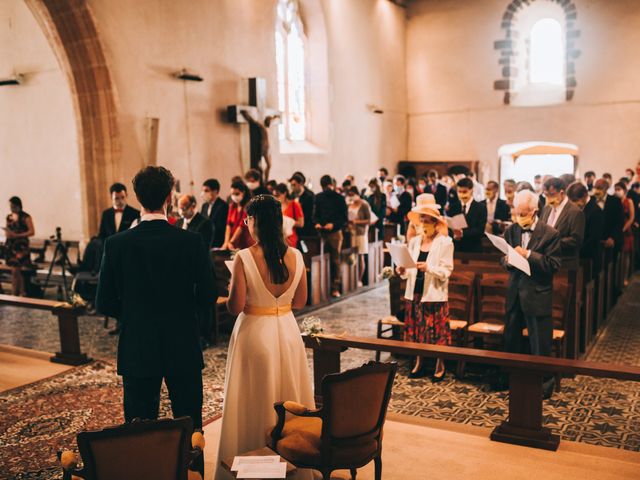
[267,214]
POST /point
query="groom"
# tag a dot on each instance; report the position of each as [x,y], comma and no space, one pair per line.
[154,278]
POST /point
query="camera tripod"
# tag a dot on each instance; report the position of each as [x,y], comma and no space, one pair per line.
[60,257]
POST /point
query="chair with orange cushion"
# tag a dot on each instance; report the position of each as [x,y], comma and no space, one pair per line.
[346,433]
[158,449]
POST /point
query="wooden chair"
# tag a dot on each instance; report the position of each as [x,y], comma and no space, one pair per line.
[492,292]
[158,449]
[346,433]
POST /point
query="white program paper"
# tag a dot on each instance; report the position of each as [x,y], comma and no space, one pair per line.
[513,258]
[253,460]
[394,202]
[457,222]
[287,225]
[400,255]
[265,470]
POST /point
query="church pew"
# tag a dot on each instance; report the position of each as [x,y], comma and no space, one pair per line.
[523,424]
[70,352]
[349,270]
[374,263]
[588,306]
[317,264]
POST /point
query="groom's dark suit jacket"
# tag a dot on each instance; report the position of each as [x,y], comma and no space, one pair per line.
[153,278]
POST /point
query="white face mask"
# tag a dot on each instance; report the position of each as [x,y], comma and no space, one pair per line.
[398,188]
[236,198]
[253,185]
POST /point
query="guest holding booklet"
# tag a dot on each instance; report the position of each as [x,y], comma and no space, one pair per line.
[426,309]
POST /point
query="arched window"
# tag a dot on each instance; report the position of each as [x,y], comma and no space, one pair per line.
[290,64]
[546,53]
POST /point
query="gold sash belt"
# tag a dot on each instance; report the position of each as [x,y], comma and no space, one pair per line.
[267,311]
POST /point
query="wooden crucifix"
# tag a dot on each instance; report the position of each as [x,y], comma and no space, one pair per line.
[259,118]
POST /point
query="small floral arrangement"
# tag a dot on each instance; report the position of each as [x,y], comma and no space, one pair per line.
[388,272]
[312,326]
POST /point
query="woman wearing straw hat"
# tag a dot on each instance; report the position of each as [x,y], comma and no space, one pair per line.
[426,310]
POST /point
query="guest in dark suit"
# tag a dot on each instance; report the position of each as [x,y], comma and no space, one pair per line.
[469,239]
[215,210]
[438,190]
[593,224]
[399,212]
[154,278]
[192,220]
[589,180]
[120,216]
[529,298]
[564,216]
[306,198]
[613,215]
[498,212]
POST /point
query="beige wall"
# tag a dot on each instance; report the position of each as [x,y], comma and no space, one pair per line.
[39,153]
[454,113]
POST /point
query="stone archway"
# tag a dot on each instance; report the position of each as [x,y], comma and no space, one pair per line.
[71,31]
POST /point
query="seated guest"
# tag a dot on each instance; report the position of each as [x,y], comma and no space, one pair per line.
[306,199]
[498,211]
[529,298]
[19,228]
[589,180]
[330,217]
[627,232]
[593,224]
[215,210]
[253,179]
[475,213]
[613,215]
[237,236]
[378,203]
[437,189]
[271,186]
[564,216]
[120,216]
[359,214]
[402,206]
[193,221]
[426,308]
[292,210]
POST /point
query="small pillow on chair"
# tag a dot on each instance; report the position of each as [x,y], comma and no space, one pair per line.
[295,408]
[68,460]
[197,440]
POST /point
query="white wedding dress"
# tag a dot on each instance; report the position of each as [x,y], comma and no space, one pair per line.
[266,363]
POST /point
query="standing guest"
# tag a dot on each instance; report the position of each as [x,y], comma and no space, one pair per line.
[423,183]
[253,179]
[154,278]
[359,214]
[378,203]
[19,228]
[567,178]
[426,308]
[564,216]
[593,224]
[498,212]
[478,188]
[330,217]
[292,210]
[411,188]
[627,229]
[383,173]
[271,186]
[589,180]
[193,221]
[306,199]
[613,216]
[266,359]
[402,205]
[629,173]
[237,234]
[609,179]
[437,189]
[120,216]
[215,210]
[537,184]
[475,213]
[529,298]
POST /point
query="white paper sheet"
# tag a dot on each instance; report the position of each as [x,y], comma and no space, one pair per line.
[253,460]
[265,470]
[394,202]
[287,225]
[457,222]
[400,255]
[499,242]
[229,264]
[513,258]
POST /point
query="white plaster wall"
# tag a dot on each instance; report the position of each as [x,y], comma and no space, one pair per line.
[454,113]
[39,154]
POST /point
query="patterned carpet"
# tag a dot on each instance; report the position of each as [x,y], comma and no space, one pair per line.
[596,411]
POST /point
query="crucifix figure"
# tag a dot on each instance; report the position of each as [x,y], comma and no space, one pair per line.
[259,119]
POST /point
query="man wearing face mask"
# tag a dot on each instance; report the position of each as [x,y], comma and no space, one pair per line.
[497,209]
[564,216]
[403,205]
[593,224]
[613,215]
[529,298]
[468,239]
[253,179]
[215,210]
[306,198]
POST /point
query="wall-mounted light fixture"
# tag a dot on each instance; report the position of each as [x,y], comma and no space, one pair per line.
[16,79]
[184,74]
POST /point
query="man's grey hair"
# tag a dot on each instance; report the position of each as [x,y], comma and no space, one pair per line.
[526,197]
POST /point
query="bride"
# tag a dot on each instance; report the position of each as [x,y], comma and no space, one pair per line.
[266,360]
